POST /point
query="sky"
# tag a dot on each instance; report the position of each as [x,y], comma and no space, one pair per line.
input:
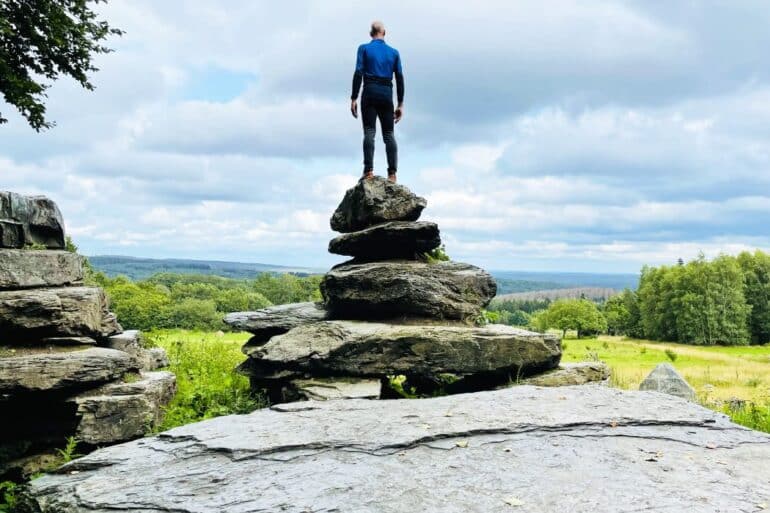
[594,136]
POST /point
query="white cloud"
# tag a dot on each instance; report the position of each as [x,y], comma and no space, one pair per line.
[595,134]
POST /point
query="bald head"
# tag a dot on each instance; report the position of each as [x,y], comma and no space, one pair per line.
[377,30]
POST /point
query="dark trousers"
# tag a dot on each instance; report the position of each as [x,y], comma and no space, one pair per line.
[372,108]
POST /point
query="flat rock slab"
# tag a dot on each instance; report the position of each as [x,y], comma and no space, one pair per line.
[376,201]
[59,370]
[571,374]
[20,269]
[28,220]
[397,239]
[331,388]
[123,411]
[377,290]
[348,348]
[55,312]
[581,449]
[275,320]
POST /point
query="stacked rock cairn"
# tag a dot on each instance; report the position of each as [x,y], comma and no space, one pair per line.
[67,369]
[394,321]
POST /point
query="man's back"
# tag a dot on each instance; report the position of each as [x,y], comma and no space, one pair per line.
[377,59]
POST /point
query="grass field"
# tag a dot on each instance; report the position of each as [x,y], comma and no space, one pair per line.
[734,380]
[208,387]
[717,373]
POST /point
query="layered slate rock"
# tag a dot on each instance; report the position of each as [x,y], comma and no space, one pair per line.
[66,368]
[56,312]
[21,269]
[28,220]
[275,320]
[122,410]
[369,349]
[664,378]
[569,374]
[396,239]
[44,371]
[378,290]
[376,201]
[518,449]
[133,343]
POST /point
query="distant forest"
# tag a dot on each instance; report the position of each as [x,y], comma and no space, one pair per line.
[142,268]
[507,281]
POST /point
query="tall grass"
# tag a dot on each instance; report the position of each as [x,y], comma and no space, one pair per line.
[207,385]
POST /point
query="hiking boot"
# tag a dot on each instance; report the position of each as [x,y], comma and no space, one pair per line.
[368,175]
[392,177]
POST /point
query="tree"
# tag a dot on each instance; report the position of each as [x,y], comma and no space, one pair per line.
[756,273]
[700,302]
[42,40]
[617,315]
[580,315]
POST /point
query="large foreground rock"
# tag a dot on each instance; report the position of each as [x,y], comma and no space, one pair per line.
[376,201]
[21,269]
[275,320]
[26,220]
[29,315]
[586,449]
[490,354]
[378,290]
[397,239]
[44,370]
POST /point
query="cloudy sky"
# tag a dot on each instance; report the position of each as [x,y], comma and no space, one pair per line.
[557,135]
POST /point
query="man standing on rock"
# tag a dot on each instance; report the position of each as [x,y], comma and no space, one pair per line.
[376,64]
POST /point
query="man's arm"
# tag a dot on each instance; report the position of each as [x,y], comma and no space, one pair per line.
[358,74]
[399,88]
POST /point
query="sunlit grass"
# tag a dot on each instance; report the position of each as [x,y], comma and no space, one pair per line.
[719,375]
[207,385]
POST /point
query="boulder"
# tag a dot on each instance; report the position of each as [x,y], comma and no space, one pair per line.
[477,357]
[56,312]
[123,411]
[379,290]
[376,201]
[26,220]
[275,320]
[397,239]
[571,374]
[325,389]
[21,269]
[44,370]
[587,449]
[133,343]
[664,378]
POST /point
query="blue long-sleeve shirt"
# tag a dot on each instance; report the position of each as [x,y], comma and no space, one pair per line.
[376,64]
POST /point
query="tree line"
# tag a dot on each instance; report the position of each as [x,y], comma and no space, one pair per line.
[724,301]
[196,301]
